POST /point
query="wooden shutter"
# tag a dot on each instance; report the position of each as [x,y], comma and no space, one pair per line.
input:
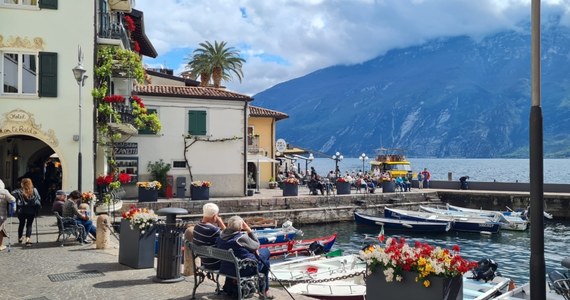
[47,74]
[48,4]
[197,122]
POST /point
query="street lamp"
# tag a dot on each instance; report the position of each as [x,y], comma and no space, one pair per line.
[363,158]
[307,162]
[79,74]
[337,157]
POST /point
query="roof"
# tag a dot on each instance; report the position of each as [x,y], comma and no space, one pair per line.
[187,82]
[139,34]
[256,111]
[189,92]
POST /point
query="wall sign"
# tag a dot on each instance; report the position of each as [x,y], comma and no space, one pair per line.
[126,149]
[19,121]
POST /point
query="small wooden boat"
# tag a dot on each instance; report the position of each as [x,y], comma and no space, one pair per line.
[260,222]
[300,246]
[402,225]
[471,224]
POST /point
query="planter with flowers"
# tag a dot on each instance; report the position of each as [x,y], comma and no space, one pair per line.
[397,270]
[148,191]
[342,186]
[200,190]
[290,187]
[136,246]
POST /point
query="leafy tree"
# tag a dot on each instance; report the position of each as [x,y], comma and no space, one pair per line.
[217,62]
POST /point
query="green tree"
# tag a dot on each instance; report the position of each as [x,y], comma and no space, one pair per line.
[217,62]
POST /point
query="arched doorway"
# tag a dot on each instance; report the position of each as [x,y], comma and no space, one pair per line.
[26,156]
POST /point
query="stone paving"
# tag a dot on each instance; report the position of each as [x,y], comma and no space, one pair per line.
[24,271]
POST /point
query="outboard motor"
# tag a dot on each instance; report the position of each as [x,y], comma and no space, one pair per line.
[560,281]
[316,248]
[485,270]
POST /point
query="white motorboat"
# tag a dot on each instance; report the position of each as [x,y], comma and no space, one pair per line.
[345,266]
[506,220]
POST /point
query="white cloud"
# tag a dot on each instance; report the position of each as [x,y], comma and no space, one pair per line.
[285,39]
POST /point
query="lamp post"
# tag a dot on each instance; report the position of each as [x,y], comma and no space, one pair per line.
[363,158]
[79,74]
[337,157]
[307,161]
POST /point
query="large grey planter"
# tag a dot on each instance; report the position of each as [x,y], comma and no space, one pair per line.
[440,288]
[343,188]
[199,193]
[290,190]
[136,250]
[388,186]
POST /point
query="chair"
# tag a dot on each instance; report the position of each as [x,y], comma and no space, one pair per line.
[67,227]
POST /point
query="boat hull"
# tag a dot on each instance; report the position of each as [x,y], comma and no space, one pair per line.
[402,225]
[299,246]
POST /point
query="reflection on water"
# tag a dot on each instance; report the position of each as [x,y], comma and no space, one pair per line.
[510,249]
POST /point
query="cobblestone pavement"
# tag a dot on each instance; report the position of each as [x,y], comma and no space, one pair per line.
[24,272]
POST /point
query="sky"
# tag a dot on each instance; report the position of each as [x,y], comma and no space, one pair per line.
[286,39]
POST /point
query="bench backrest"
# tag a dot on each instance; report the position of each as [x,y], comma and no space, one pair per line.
[209,251]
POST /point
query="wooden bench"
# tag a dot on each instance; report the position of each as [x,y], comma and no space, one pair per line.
[247,286]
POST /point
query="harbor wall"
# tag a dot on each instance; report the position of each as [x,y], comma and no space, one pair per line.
[308,209]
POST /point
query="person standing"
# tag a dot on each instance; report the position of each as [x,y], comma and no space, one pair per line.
[5,199]
[28,203]
[420,181]
[70,210]
[207,232]
[427,177]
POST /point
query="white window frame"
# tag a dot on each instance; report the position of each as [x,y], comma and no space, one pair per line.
[20,70]
[20,3]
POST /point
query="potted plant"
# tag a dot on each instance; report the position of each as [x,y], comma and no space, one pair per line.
[158,171]
[342,186]
[200,190]
[290,186]
[272,183]
[397,270]
[136,246]
[148,190]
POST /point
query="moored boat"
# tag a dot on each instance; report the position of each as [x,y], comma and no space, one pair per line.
[471,224]
[349,289]
[329,269]
[508,220]
[277,235]
[390,224]
[300,246]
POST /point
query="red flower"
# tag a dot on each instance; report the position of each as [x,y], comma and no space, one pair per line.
[138,100]
[114,99]
[130,24]
[137,47]
[124,178]
[105,180]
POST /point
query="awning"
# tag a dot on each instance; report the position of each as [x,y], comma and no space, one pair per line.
[260,158]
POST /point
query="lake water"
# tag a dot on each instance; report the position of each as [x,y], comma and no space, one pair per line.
[486,170]
[510,249]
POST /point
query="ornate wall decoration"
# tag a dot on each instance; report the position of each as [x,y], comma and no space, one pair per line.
[36,43]
[19,121]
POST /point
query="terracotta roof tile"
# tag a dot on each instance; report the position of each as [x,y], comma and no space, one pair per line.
[256,111]
[189,92]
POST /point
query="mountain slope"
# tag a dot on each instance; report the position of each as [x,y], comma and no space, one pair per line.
[453,97]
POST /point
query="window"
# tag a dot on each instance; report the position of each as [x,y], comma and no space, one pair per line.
[197,122]
[47,4]
[179,164]
[20,73]
[29,73]
[145,130]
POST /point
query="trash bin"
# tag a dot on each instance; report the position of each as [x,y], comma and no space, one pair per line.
[169,256]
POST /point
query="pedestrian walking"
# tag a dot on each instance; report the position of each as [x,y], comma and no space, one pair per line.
[6,199]
[420,181]
[28,204]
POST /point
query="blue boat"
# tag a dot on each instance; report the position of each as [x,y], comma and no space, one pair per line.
[466,224]
[402,225]
[276,235]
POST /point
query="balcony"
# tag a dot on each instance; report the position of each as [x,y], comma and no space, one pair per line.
[112,31]
[121,5]
[121,121]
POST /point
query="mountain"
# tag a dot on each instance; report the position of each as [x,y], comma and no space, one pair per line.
[451,97]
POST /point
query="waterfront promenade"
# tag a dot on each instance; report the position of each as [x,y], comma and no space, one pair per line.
[83,272]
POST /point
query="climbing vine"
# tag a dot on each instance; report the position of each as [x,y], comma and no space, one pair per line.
[190,140]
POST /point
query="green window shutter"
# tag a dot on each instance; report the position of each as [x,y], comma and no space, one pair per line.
[48,74]
[48,4]
[197,122]
[146,130]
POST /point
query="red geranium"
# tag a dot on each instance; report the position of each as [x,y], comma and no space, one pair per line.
[137,47]
[124,178]
[138,100]
[114,99]
[105,180]
[130,24]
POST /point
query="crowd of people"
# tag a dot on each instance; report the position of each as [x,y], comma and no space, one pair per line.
[236,235]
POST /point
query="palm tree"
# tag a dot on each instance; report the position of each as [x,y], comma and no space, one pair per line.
[215,61]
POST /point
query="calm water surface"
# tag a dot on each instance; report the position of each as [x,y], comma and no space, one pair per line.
[510,249]
[487,170]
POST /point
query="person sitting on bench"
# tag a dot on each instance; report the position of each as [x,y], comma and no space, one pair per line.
[244,245]
[207,232]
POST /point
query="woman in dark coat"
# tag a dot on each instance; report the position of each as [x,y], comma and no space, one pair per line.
[28,204]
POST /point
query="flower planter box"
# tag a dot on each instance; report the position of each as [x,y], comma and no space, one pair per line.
[388,187]
[148,195]
[136,250]
[199,193]
[343,188]
[439,288]
[290,190]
